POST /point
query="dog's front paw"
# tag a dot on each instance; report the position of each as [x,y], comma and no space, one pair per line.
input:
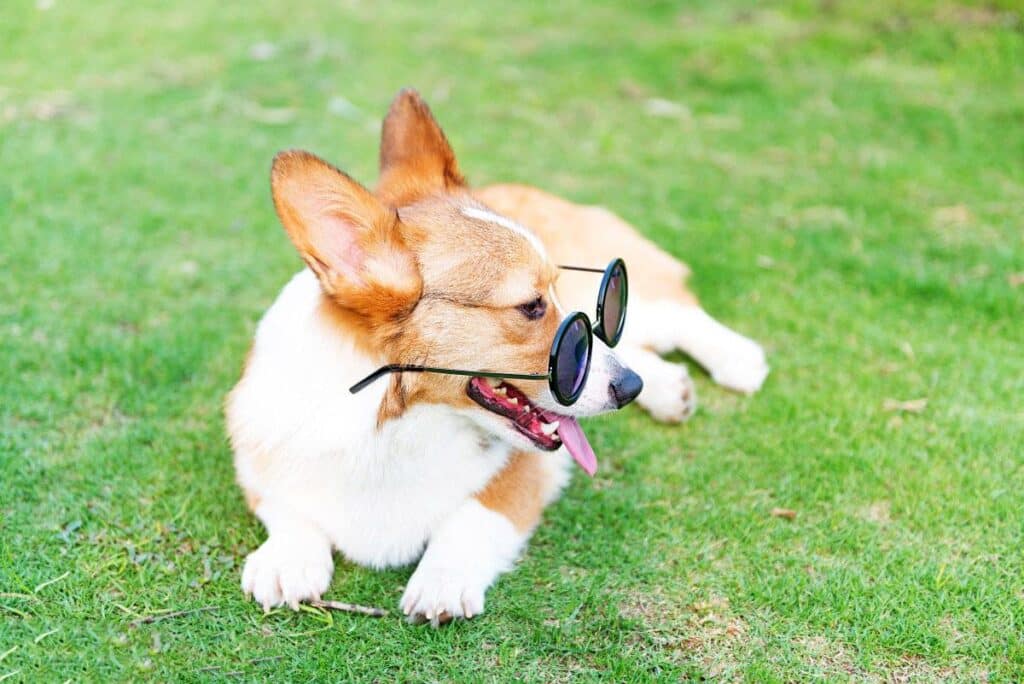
[439,595]
[743,366]
[287,572]
[669,396]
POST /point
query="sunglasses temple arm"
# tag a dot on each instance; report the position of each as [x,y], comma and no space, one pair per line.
[581,268]
[400,368]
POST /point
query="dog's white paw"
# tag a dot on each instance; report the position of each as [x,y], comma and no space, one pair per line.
[287,572]
[669,395]
[742,367]
[439,595]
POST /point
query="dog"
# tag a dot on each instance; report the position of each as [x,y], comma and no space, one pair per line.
[419,466]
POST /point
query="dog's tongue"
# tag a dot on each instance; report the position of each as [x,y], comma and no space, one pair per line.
[576,442]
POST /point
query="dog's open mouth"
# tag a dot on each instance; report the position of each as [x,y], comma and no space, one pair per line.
[546,429]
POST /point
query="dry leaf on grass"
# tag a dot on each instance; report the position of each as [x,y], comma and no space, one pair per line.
[787,513]
[656,106]
[1015,279]
[956,215]
[272,116]
[632,89]
[908,406]
[878,512]
[263,51]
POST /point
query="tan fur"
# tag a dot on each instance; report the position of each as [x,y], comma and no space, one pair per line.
[252,499]
[415,157]
[580,235]
[517,492]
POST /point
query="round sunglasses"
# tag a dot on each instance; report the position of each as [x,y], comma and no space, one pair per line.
[571,348]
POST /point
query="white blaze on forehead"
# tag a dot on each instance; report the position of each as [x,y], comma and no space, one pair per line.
[521,231]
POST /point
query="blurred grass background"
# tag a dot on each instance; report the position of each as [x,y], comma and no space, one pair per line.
[845,179]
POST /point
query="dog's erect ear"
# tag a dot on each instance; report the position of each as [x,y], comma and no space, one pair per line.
[415,157]
[349,239]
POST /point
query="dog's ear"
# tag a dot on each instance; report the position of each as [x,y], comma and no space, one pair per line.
[349,239]
[415,157]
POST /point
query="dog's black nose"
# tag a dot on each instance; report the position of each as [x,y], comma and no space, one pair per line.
[625,387]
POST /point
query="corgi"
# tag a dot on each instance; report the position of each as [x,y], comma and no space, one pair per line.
[428,467]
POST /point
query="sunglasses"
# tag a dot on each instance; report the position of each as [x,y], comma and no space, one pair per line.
[571,349]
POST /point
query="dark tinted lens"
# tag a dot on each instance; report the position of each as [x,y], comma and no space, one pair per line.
[571,360]
[614,307]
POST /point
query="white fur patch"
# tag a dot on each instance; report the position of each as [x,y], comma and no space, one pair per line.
[522,231]
[463,558]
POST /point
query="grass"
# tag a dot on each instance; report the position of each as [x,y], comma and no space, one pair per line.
[845,179]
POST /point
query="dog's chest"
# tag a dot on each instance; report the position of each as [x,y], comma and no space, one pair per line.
[381,499]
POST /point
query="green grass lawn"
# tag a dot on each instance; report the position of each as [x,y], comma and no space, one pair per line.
[846,180]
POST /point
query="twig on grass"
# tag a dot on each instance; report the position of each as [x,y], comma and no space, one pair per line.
[20,613]
[218,668]
[233,673]
[349,608]
[148,619]
[44,635]
[909,406]
[49,582]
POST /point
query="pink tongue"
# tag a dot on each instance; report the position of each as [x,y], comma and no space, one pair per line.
[576,442]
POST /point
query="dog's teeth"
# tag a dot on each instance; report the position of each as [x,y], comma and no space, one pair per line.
[514,401]
[527,409]
[549,428]
[500,391]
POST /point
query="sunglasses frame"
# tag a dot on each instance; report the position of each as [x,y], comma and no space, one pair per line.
[550,376]
[602,294]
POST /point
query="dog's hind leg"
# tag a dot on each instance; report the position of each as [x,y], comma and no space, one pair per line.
[666,325]
[668,393]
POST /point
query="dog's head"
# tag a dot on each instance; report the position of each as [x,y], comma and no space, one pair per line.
[419,272]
